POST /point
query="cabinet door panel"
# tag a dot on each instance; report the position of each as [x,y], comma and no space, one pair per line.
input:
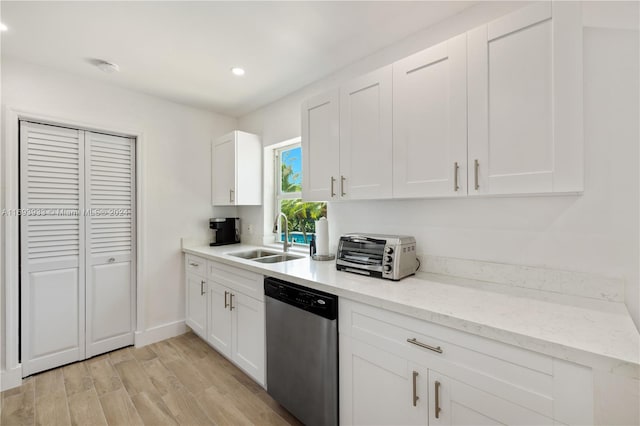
[461,404]
[525,102]
[377,387]
[248,334]
[366,136]
[223,171]
[219,321]
[196,309]
[320,147]
[430,122]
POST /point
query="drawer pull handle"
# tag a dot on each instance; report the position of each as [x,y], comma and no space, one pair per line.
[231,301]
[226,305]
[414,341]
[456,170]
[415,392]
[437,386]
[194,264]
[202,288]
[111,259]
[476,166]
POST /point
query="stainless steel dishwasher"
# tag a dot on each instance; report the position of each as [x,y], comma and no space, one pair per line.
[302,351]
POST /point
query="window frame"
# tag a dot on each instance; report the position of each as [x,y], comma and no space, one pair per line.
[278,195]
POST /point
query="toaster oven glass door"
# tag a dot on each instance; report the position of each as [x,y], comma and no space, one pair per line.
[362,251]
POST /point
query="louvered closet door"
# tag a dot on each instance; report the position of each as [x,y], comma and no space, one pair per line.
[110,249]
[52,246]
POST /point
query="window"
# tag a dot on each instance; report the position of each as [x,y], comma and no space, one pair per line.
[301,215]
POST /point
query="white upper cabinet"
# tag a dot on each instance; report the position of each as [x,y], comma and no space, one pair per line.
[366,136]
[525,102]
[320,147]
[430,122]
[236,175]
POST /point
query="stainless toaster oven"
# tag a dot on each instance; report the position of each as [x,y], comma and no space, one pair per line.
[383,256]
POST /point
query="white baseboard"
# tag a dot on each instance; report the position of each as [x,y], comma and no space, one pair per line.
[10,378]
[160,332]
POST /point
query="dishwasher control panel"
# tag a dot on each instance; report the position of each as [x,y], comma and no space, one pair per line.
[317,302]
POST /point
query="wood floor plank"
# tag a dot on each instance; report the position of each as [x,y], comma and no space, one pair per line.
[121,355]
[163,379]
[220,408]
[144,353]
[77,378]
[119,409]
[134,378]
[188,375]
[18,408]
[152,410]
[85,409]
[104,375]
[49,382]
[165,351]
[52,409]
[185,408]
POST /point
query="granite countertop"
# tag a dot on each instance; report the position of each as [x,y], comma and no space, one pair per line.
[590,332]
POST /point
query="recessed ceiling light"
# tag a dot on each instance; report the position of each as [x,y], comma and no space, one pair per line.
[3,27]
[237,71]
[107,67]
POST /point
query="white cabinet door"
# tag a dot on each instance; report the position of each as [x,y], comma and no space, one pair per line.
[219,315]
[110,248]
[320,147]
[52,247]
[525,102]
[248,335]
[430,122]
[366,137]
[224,171]
[196,309]
[377,387]
[454,403]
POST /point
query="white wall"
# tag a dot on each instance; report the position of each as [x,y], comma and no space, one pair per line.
[176,157]
[596,232]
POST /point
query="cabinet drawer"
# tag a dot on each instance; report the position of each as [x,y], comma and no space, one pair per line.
[516,374]
[195,265]
[249,283]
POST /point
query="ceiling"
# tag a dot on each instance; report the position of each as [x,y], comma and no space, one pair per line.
[183,51]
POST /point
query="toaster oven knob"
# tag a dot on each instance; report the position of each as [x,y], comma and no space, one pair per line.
[387,268]
[388,250]
[388,259]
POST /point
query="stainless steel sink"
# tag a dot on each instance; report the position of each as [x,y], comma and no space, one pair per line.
[277,258]
[253,254]
[265,256]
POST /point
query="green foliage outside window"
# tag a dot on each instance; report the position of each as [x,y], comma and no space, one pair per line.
[301,215]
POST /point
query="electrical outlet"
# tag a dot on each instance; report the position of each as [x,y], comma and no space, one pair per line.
[250,228]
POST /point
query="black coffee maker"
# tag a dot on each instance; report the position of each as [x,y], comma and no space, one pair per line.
[226,230]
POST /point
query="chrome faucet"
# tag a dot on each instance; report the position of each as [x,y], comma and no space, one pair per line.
[285,244]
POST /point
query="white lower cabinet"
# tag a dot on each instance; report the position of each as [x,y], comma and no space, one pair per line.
[400,370]
[227,310]
[376,387]
[452,402]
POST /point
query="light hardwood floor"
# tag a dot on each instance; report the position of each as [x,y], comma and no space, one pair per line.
[176,381]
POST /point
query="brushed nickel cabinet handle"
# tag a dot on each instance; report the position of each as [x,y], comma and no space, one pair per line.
[194,264]
[231,301]
[231,195]
[202,288]
[226,305]
[111,259]
[333,192]
[415,392]
[342,193]
[456,168]
[437,389]
[415,341]
[476,166]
